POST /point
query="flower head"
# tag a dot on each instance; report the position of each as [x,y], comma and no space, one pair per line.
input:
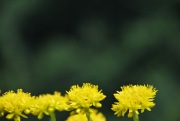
[16,104]
[82,98]
[1,108]
[134,98]
[48,103]
[95,115]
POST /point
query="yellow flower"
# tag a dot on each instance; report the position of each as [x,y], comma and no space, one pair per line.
[95,116]
[16,104]
[47,104]
[82,98]
[1,108]
[134,98]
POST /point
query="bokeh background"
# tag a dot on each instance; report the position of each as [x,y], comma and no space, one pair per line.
[52,45]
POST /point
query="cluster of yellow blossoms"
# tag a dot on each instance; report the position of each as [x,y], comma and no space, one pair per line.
[95,115]
[134,98]
[16,105]
[82,98]
[78,100]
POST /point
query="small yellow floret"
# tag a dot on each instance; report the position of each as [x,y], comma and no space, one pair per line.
[16,104]
[1,108]
[95,116]
[134,98]
[84,97]
[47,103]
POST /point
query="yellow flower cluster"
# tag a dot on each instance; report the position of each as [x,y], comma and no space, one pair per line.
[48,103]
[95,115]
[82,98]
[79,100]
[15,105]
[134,98]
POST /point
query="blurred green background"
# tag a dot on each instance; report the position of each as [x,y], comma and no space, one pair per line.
[52,45]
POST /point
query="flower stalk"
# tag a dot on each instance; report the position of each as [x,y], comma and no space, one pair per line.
[88,115]
[52,116]
[136,117]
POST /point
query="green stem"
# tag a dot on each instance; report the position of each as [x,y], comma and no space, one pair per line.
[136,117]
[88,115]
[52,116]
